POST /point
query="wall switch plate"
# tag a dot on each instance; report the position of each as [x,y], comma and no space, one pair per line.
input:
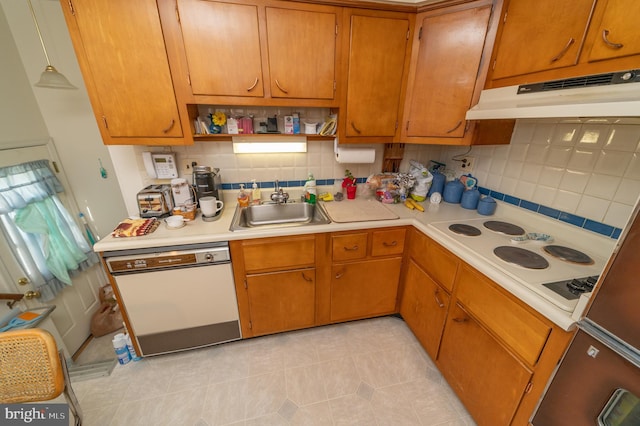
[185,165]
[466,164]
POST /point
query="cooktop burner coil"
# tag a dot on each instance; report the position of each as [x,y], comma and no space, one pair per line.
[521,257]
[568,254]
[504,227]
[467,230]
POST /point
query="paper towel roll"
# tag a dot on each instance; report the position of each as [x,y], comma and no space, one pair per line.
[355,155]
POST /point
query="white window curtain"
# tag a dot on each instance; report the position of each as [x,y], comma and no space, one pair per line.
[45,239]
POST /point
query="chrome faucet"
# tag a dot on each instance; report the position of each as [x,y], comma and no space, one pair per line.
[279,196]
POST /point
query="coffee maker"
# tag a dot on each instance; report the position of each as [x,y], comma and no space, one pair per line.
[206,181]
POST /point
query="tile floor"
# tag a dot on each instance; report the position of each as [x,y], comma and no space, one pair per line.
[370,372]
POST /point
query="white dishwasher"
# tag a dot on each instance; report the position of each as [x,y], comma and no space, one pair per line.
[178,297]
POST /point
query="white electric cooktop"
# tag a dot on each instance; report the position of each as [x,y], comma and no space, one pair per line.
[484,244]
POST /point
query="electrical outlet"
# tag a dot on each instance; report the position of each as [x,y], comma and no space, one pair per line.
[467,163]
[185,165]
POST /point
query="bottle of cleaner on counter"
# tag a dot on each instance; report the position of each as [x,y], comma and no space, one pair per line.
[243,197]
[310,191]
[255,193]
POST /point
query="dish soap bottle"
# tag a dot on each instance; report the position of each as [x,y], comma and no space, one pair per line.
[310,190]
[243,197]
[255,193]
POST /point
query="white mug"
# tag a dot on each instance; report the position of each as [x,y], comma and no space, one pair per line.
[209,206]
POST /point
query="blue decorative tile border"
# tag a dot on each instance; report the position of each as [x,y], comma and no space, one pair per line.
[283,183]
[579,221]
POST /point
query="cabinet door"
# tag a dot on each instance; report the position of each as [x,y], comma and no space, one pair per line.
[222,45]
[120,47]
[364,289]
[617,35]
[489,381]
[302,52]
[444,77]
[541,35]
[374,83]
[424,308]
[281,301]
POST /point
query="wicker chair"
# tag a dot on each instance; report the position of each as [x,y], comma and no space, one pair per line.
[32,369]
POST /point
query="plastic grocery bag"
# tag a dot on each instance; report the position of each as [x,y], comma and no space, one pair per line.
[423,181]
[106,320]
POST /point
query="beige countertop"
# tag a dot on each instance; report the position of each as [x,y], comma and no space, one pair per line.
[198,231]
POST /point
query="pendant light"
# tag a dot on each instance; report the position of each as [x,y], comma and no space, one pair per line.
[50,77]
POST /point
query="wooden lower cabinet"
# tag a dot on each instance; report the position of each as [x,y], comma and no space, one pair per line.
[424,307]
[281,301]
[364,289]
[489,380]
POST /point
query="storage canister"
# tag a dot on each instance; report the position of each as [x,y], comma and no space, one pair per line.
[453,191]
[437,184]
[487,206]
[470,199]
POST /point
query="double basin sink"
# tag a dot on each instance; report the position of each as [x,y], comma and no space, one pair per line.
[278,215]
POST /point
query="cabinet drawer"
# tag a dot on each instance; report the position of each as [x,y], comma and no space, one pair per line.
[520,329]
[349,246]
[278,253]
[387,242]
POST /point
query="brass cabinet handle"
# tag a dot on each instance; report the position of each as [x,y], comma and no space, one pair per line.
[455,128]
[32,295]
[391,244]
[461,320]
[353,126]
[307,279]
[605,33]
[564,51]
[438,301]
[173,122]
[255,83]
[354,248]
[280,87]
[23,281]
[339,275]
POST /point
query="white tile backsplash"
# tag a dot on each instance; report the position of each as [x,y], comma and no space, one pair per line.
[623,138]
[612,163]
[587,167]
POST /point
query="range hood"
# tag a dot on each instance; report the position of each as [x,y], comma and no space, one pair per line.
[603,95]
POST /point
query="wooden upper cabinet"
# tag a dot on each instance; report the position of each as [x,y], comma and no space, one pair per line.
[446,74]
[541,35]
[617,35]
[253,53]
[122,56]
[377,52]
[222,47]
[302,52]
[558,39]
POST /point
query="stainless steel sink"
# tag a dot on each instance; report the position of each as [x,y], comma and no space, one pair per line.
[278,215]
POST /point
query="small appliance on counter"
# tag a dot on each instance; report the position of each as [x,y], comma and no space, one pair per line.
[206,181]
[155,201]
